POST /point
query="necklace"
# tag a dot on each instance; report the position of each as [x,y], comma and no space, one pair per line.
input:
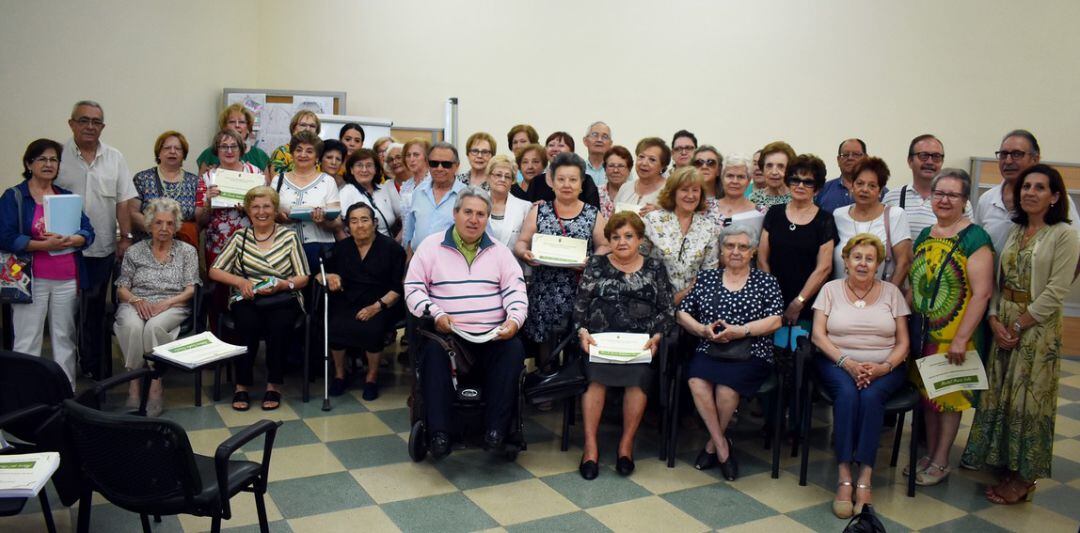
[796,214]
[266,238]
[860,302]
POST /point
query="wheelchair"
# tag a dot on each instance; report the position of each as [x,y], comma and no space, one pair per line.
[469,400]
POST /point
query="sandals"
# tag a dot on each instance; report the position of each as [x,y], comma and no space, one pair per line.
[932,475]
[859,506]
[922,464]
[1018,492]
[271,400]
[843,508]
[241,400]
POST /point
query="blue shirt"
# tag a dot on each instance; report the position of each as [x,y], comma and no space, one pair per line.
[834,194]
[425,216]
[598,174]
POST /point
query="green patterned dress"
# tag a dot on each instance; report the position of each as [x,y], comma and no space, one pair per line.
[1014,423]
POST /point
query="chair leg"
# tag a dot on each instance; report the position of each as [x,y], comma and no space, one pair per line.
[157,519]
[804,435]
[673,420]
[215,523]
[665,413]
[198,387]
[260,508]
[307,361]
[217,382]
[85,504]
[896,439]
[145,521]
[913,448]
[567,416]
[777,429]
[46,510]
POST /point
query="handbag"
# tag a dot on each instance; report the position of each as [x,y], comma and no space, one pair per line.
[262,301]
[917,322]
[865,522]
[737,350]
[15,269]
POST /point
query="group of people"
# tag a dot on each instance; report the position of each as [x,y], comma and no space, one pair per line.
[731,249]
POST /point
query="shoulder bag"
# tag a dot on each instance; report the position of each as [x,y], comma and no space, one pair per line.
[15,268]
[262,301]
[917,322]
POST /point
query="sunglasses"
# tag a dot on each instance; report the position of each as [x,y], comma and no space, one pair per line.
[705,163]
[437,164]
[808,183]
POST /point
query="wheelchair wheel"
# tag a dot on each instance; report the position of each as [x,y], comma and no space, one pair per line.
[417,442]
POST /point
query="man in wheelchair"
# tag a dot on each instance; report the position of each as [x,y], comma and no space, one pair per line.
[472,287]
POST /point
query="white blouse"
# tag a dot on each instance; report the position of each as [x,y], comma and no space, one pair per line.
[847,227]
[385,200]
[683,255]
[508,228]
[321,192]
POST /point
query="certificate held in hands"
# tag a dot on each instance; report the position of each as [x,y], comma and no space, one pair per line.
[939,376]
[232,186]
[620,348]
[557,251]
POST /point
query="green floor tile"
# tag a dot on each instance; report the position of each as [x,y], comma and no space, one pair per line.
[966,524]
[339,405]
[195,418]
[579,521]
[370,451]
[609,487]
[279,526]
[821,518]
[960,492]
[318,494]
[108,517]
[1072,410]
[719,505]
[1062,499]
[290,433]
[446,513]
[1069,393]
[470,469]
[397,419]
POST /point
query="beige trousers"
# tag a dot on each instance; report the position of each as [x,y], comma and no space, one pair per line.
[138,337]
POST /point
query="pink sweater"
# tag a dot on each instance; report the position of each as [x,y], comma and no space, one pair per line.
[478,297]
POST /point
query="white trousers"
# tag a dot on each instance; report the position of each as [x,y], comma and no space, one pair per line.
[138,337]
[59,301]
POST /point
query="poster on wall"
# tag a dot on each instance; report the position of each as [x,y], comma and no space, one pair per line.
[254,102]
[274,119]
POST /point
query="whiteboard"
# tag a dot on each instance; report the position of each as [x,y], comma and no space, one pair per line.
[373,127]
[273,109]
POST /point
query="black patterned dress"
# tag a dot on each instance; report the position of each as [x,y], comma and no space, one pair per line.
[552,289]
[610,300]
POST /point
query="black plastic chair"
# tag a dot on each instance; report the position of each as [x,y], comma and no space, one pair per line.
[146,466]
[565,383]
[808,389]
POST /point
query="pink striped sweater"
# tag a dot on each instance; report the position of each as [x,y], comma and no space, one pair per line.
[478,297]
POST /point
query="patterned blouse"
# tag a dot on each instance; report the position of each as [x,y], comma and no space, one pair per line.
[149,185]
[243,257]
[609,299]
[683,255]
[759,298]
[764,200]
[281,159]
[223,222]
[145,277]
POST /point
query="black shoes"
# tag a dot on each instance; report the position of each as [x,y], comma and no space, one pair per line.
[440,444]
[730,468]
[337,387]
[371,391]
[706,460]
[493,440]
[589,470]
[624,466]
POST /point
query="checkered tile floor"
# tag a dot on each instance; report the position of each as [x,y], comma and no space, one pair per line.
[348,470]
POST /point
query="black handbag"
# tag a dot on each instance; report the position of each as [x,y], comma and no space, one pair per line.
[917,322]
[263,301]
[865,522]
[737,350]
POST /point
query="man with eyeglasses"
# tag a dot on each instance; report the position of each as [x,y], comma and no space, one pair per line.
[99,174]
[925,157]
[837,191]
[597,141]
[432,207]
[1019,151]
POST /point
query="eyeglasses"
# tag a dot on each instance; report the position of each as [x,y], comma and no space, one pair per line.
[228,147]
[1005,154]
[925,156]
[730,246]
[502,176]
[807,182]
[951,196]
[87,121]
[365,166]
[308,125]
[43,159]
[705,163]
[850,155]
[682,149]
[597,135]
[391,158]
[616,166]
[477,151]
[437,164]
[239,122]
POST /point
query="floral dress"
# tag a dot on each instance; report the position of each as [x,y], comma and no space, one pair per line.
[764,201]
[950,305]
[149,185]
[684,255]
[553,289]
[223,222]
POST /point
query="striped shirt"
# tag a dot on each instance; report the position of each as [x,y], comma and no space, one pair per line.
[243,257]
[920,212]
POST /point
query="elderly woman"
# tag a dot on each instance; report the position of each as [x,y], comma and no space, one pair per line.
[168,179]
[379,147]
[507,212]
[952,279]
[479,148]
[552,290]
[531,161]
[281,160]
[416,169]
[773,163]
[364,184]
[520,136]
[332,160]
[653,156]
[271,255]
[797,241]
[544,189]
[352,136]
[222,223]
[1014,423]
[393,164]
[734,311]
[730,206]
[757,177]
[860,326]
[157,280]
[557,143]
[365,276]
[240,119]
[618,163]
[711,161]
[623,292]
[679,233]
[54,288]
[869,215]
[307,186]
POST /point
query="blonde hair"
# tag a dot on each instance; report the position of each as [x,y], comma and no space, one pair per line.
[865,239]
[680,178]
[301,114]
[223,118]
[501,160]
[262,191]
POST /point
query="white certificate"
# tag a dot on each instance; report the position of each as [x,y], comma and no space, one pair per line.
[232,186]
[620,348]
[622,206]
[942,377]
[557,251]
[476,338]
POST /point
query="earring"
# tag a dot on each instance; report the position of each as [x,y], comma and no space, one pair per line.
[1051,204]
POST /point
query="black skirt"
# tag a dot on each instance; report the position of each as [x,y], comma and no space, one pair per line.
[745,377]
[348,332]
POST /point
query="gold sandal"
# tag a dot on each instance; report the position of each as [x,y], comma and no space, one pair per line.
[859,506]
[843,508]
[932,475]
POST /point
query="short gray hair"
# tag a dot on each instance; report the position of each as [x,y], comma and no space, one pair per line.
[595,124]
[445,146]
[737,160]
[472,191]
[88,103]
[957,174]
[159,205]
[739,229]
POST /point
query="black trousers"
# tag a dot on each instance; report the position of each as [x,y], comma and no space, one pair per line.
[95,339]
[272,324]
[501,363]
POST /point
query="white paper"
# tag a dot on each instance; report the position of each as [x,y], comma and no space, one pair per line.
[620,348]
[23,475]
[558,251]
[303,212]
[233,186]
[476,338]
[942,377]
[198,350]
[622,206]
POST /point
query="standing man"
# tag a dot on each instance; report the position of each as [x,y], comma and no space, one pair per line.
[925,157]
[433,201]
[597,141]
[99,174]
[683,144]
[837,191]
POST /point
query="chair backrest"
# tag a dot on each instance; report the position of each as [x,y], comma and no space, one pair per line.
[133,461]
[26,380]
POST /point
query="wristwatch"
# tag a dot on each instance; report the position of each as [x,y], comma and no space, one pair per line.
[382,304]
[292,286]
[800,299]
[1017,327]
[129,236]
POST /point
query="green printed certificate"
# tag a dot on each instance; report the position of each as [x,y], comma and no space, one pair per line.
[942,377]
[557,251]
[233,185]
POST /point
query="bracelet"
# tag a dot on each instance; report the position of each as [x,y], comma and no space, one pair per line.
[840,362]
[135,300]
[890,365]
[747,332]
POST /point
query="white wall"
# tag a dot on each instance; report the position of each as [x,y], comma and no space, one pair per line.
[739,74]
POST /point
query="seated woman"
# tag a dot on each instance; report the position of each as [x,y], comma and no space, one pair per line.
[265,252]
[734,310]
[157,280]
[366,272]
[860,325]
[625,292]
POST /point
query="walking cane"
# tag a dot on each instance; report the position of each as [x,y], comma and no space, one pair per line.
[326,338]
